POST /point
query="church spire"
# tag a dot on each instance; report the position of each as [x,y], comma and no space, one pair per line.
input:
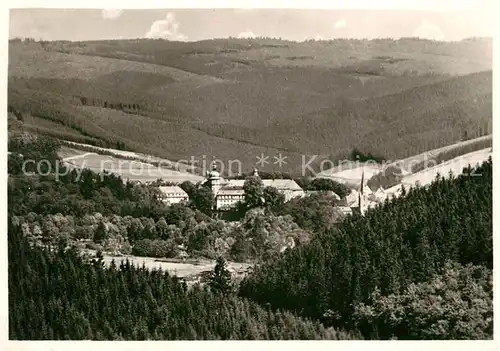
[362,181]
[214,179]
[361,198]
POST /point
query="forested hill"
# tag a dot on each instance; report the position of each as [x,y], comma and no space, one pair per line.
[408,240]
[234,99]
[58,295]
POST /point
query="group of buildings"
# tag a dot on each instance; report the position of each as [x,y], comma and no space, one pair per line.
[228,192]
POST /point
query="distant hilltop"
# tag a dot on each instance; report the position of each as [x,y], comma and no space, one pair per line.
[235,99]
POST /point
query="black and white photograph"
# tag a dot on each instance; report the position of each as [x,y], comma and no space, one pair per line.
[178,174]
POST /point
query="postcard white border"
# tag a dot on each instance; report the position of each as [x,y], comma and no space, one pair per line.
[432,5]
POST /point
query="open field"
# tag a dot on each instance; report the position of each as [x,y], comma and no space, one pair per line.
[409,164]
[351,177]
[127,169]
[131,156]
[235,99]
[414,167]
[454,166]
[114,151]
[179,269]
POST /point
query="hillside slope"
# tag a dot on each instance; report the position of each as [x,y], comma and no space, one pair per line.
[237,99]
[404,241]
[414,167]
[132,167]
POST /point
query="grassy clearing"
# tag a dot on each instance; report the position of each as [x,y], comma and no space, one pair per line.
[415,167]
[455,166]
[133,156]
[178,269]
[128,169]
[416,163]
[351,177]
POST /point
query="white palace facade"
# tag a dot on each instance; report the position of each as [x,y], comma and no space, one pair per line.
[173,194]
[228,192]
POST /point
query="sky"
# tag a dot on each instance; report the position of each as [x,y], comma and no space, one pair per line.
[199,24]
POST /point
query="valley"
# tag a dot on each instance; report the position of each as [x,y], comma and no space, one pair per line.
[124,222]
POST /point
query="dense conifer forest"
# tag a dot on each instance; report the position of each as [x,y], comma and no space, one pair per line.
[405,241]
[417,267]
[59,295]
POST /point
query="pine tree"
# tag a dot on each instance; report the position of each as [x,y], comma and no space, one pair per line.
[100,233]
[220,278]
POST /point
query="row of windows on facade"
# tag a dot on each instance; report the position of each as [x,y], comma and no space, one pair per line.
[222,197]
[164,196]
[230,196]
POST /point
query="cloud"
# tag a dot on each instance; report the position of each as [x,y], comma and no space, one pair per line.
[167,28]
[427,30]
[341,23]
[34,33]
[247,35]
[111,13]
[316,38]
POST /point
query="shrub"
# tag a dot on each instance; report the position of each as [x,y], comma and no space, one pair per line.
[154,248]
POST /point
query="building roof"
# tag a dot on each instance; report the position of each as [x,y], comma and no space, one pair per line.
[172,190]
[326,192]
[234,183]
[394,191]
[352,197]
[366,190]
[380,192]
[282,184]
[345,209]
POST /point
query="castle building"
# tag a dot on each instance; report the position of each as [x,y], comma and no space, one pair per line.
[229,192]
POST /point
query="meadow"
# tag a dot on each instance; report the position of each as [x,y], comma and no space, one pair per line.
[179,269]
[127,169]
[422,167]
[455,166]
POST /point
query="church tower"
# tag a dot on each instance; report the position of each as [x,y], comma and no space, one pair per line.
[361,200]
[214,179]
